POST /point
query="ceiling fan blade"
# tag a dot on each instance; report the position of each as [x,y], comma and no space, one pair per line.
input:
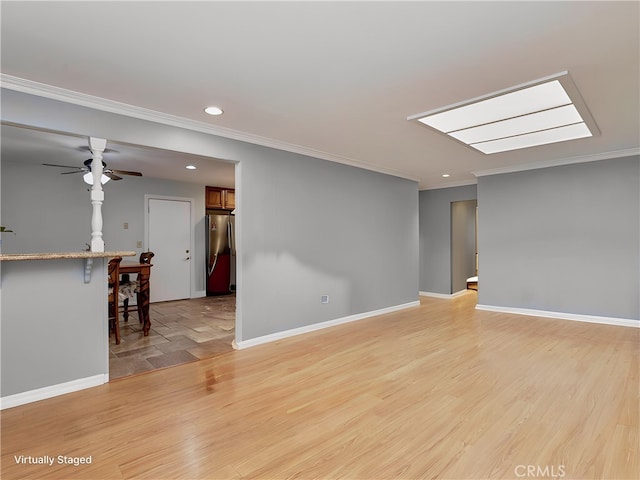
[127,172]
[111,175]
[63,166]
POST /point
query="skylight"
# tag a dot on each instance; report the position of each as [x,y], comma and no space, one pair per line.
[544,111]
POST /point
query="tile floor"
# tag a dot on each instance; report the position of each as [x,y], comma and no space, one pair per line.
[181,331]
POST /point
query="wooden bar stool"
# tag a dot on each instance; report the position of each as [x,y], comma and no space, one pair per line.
[133,286]
[114,288]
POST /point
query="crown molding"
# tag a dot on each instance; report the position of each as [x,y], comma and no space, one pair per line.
[593,157]
[462,183]
[98,103]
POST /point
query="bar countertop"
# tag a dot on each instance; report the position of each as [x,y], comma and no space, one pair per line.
[63,255]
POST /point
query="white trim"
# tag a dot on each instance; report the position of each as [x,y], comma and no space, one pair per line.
[621,322]
[90,101]
[97,103]
[594,157]
[273,337]
[462,183]
[446,296]
[43,393]
[239,249]
[199,294]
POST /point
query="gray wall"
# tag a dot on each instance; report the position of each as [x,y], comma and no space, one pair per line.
[435,236]
[562,239]
[46,212]
[52,213]
[55,333]
[313,228]
[288,206]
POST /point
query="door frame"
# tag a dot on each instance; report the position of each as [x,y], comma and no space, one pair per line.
[454,240]
[191,201]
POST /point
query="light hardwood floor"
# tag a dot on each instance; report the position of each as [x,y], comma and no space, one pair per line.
[436,391]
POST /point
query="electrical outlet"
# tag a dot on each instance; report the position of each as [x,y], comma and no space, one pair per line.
[126,225]
[324,299]
[139,244]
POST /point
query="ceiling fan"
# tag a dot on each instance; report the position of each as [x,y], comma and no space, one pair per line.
[107,173]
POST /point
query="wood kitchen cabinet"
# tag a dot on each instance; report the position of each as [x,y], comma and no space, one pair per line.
[220,198]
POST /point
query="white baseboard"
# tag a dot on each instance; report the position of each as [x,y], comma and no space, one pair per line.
[199,294]
[446,296]
[621,322]
[52,391]
[319,326]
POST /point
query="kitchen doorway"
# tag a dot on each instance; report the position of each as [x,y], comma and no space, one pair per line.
[182,331]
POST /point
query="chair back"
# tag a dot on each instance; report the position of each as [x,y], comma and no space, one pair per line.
[114,276]
[114,287]
[145,257]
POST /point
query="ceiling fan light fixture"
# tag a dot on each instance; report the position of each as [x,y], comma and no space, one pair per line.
[88,178]
[543,111]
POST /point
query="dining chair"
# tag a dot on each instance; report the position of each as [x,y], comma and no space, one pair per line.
[131,286]
[114,289]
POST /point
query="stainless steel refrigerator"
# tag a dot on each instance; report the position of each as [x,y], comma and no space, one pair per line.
[221,252]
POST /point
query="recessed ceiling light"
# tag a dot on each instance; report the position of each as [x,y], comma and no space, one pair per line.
[213,110]
[445,175]
[190,167]
[547,110]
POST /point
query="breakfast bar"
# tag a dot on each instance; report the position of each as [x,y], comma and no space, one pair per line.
[54,323]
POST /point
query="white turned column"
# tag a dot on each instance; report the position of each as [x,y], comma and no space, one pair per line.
[97,146]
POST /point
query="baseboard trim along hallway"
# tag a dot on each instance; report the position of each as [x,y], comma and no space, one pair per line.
[445,296]
[621,322]
[273,337]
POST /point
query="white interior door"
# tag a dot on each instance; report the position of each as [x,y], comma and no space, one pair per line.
[169,234]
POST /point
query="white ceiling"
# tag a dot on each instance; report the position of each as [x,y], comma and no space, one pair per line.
[337,80]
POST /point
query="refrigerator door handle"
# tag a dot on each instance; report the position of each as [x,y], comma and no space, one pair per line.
[231,239]
[207,248]
[212,267]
